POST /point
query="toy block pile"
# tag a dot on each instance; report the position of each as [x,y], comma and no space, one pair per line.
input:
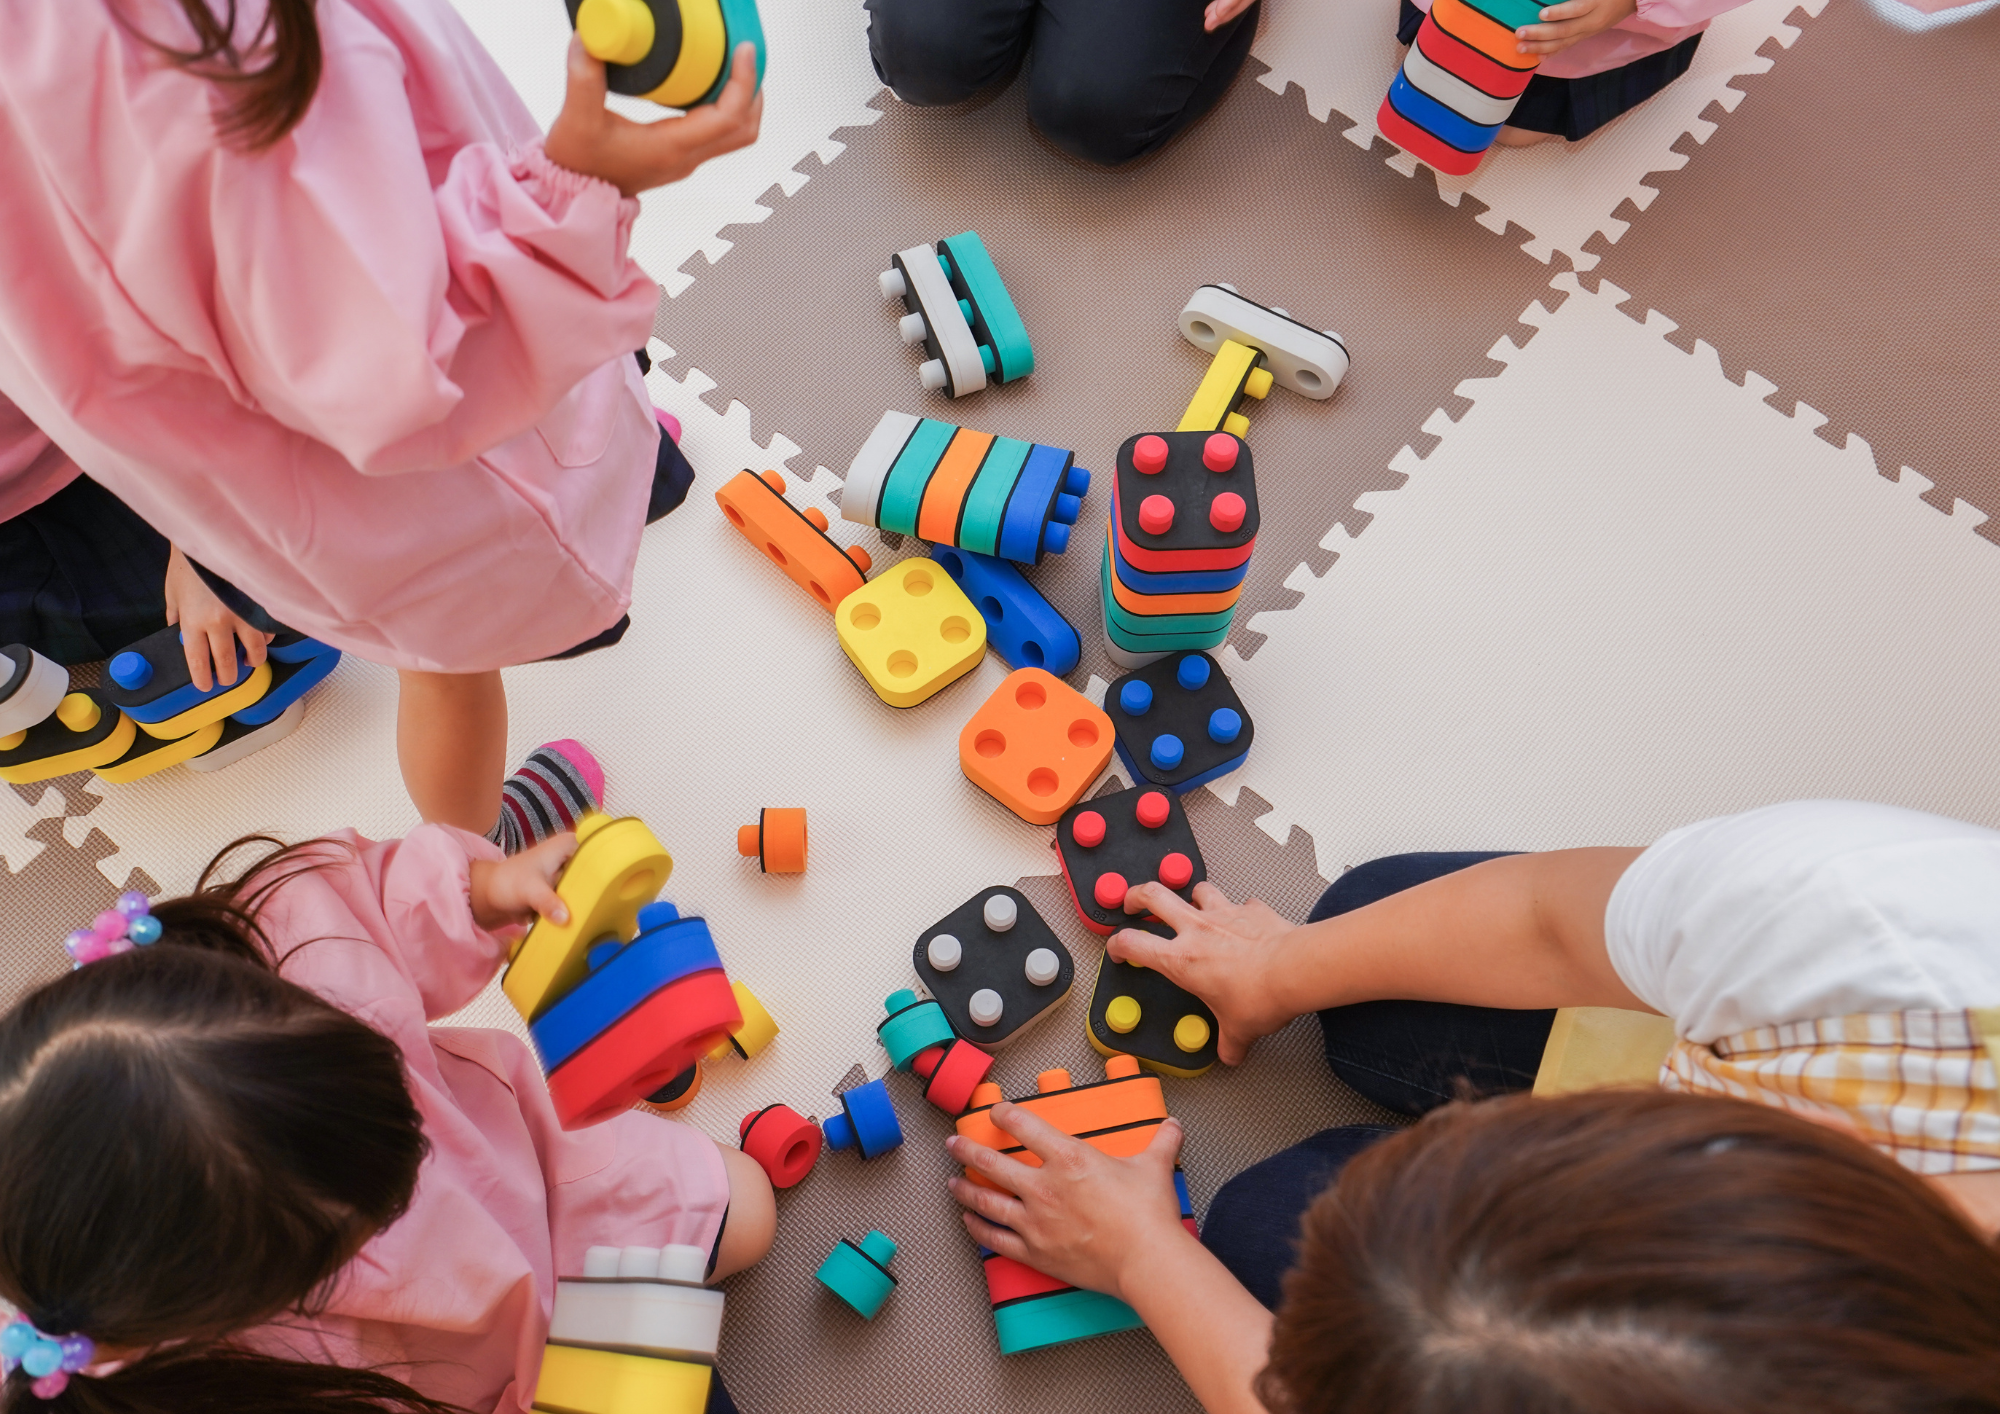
[635,1334]
[1459,82]
[149,715]
[960,311]
[674,52]
[1177,549]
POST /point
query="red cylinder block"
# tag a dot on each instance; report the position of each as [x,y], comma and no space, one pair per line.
[951,1073]
[784,1143]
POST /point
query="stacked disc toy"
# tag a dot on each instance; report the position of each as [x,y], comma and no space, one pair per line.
[674,52]
[1177,550]
[1459,82]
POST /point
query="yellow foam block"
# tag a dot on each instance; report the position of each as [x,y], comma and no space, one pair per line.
[911,631]
[74,738]
[150,754]
[704,46]
[579,1381]
[1232,374]
[757,1031]
[215,708]
[617,870]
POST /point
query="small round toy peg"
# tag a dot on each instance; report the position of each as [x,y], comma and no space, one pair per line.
[1152,810]
[816,518]
[1043,967]
[1190,1033]
[931,374]
[616,31]
[679,1092]
[1055,536]
[774,480]
[130,671]
[1067,508]
[1176,870]
[912,328]
[863,561]
[1000,912]
[1049,1081]
[1225,285]
[13,740]
[749,841]
[891,284]
[1192,672]
[1258,383]
[1087,829]
[1226,512]
[1149,454]
[880,1247]
[944,952]
[1237,423]
[1121,1067]
[1156,515]
[1135,698]
[986,1007]
[1109,890]
[1122,1015]
[1225,724]
[986,359]
[658,914]
[1166,752]
[1076,482]
[1218,453]
[79,712]
[965,308]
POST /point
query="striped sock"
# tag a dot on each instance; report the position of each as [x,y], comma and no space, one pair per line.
[556,786]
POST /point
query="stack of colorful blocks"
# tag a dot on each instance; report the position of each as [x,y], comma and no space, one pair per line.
[1459,82]
[627,995]
[1177,550]
[150,715]
[953,486]
[636,1334]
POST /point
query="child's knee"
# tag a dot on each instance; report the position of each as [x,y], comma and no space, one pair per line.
[753,1213]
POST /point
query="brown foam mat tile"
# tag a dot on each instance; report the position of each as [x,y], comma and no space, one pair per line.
[51,879]
[1839,238]
[793,325]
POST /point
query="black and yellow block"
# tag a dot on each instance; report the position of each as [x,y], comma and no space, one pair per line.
[84,732]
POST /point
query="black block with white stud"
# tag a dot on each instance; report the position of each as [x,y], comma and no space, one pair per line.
[1116,842]
[994,965]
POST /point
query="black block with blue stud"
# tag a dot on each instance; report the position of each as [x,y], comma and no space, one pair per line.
[866,1123]
[298,665]
[1180,723]
[1021,626]
[150,682]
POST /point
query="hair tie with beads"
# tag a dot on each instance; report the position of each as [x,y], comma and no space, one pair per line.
[51,1359]
[127,924]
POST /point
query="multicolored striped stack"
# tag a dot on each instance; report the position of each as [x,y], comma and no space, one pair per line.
[1459,82]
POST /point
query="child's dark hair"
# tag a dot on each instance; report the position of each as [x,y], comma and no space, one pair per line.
[1638,1251]
[272,76]
[190,1146]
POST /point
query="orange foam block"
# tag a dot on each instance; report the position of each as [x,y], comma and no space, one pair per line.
[1117,1115]
[1036,745]
[793,540]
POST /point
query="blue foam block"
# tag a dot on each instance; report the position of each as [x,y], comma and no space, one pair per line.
[633,973]
[1029,508]
[1440,122]
[1179,787]
[1021,626]
[291,679]
[300,650]
[867,1121]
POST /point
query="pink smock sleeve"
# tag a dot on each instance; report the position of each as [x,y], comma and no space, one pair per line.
[32,468]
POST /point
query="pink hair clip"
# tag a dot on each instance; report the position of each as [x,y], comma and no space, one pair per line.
[127,924]
[51,1359]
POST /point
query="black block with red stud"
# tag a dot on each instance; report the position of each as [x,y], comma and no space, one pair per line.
[1116,842]
[1185,501]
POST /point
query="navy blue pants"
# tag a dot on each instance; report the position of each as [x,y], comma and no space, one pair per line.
[1108,80]
[1408,1057]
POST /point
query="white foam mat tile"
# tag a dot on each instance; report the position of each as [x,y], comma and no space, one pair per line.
[17,817]
[1343,57]
[817,79]
[1672,601]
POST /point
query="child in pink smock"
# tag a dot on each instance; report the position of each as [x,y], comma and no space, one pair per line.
[257,1184]
[316,300]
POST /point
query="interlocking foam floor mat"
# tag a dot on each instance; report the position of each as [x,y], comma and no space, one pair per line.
[1658,489]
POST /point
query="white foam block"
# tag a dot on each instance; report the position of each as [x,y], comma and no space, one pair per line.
[1306,360]
[861,493]
[931,293]
[664,1319]
[228,753]
[38,694]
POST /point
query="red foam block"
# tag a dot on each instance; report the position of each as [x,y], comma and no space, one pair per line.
[1422,146]
[645,1048]
[1455,56]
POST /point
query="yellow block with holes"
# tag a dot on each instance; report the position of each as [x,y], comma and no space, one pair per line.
[150,754]
[214,709]
[1233,373]
[616,31]
[911,631]
[617,869]
[579,1381]
[704,50]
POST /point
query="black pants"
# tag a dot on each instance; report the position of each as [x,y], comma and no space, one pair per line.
[1408,1057]
[1108,80]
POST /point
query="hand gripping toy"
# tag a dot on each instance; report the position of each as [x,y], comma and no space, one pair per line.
[674,52]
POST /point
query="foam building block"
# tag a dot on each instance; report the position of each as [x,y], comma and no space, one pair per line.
[1021,626]
[911,632]
[959,309]
[866,1123]
[674,52]
[1117,1115]
[1235,373]
[648,1010]
[150,683]
[994,965]
[576,1380]
[647,1301]
[84,732]
[617,869]
[777,841]
[149,755]
[860,1275]
[1179,722]
[1035,745]
[951,1073]
[1182,530]
[1137,1012]
[1114,843]
[913,1024]
[756,1031]
[239,740]
[784,1143]
[678,1093]
[794,540]
[305,664]
[953,486]
[31,687]
[1308,361]
[1459,82]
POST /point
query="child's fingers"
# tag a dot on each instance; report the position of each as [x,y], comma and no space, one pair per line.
[255,645]
[1568,10]
[547,902]
[1136,946]
[195,647]
[222,646]
[584,77]
[1043,1139]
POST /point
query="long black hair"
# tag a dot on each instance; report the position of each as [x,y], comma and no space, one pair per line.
[190,1146]
[271,76]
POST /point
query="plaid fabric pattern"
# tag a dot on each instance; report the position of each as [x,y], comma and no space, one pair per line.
[545,797]
[1922,1086]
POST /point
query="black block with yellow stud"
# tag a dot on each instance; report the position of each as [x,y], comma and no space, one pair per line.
[84,732]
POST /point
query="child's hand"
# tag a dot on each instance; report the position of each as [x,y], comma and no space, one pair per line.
[1083,1215]
[514,890]
[1222,952]
[1571,21]
[635,157]
[1221,12]
[209,631]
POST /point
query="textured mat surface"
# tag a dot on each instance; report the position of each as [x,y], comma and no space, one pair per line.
[1565,561]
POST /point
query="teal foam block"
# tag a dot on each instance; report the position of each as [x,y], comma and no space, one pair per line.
[910,477]
[1061,1317]
[1163,643]
[860,1275]
[985,507]
[912,1026]
[740,22]
[995,321]
[1117,616]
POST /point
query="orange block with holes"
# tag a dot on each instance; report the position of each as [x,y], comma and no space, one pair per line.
[1036,745]
[793,540]
[1117,1115]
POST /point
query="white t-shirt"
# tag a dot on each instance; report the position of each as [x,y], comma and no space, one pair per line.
[1809,910]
